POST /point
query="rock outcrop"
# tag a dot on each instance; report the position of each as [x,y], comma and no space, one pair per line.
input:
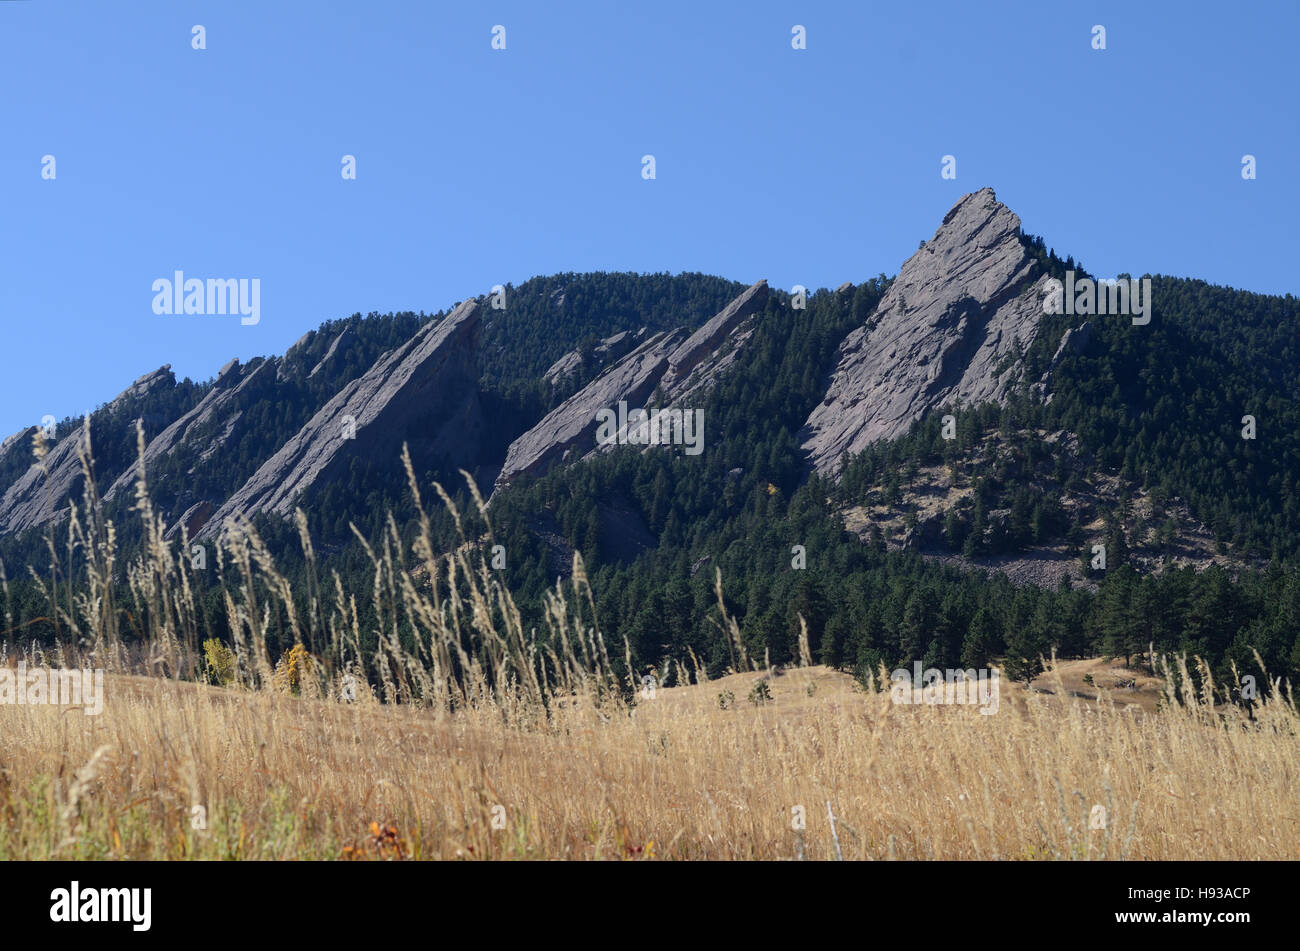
[945,332]
[43,491]
[1074,341]
[606,352]
[699,360]
[41,494]
[219,403]
[194,518]
[423,392]
[569,430]
[341,341]
[670,366]
[160,378]
[19,442]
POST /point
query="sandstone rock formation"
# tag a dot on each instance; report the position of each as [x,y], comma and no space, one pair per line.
[338,343]
[42,493]
[570,428]
[233,381]
[607,351]
[423,392]
[711,349]
[1075,340]
[945,332]
[19,442]
[158,379]
[674,365]
[194,518]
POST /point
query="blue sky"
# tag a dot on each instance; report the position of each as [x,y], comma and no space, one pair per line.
[477,166]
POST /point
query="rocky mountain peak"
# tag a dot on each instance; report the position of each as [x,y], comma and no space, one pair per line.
[959,306]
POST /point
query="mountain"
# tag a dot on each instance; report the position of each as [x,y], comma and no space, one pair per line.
[970,298]
[934,466]
[223,447]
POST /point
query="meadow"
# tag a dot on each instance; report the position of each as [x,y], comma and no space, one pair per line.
[462,736]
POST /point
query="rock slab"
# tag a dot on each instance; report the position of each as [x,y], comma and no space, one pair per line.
[945,332]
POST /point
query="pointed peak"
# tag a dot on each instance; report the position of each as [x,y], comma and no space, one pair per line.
[973,211]
[939,335]
[977,227]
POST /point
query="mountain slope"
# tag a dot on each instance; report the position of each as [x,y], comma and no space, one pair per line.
[423,392]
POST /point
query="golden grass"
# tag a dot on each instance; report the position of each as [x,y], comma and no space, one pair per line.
[494,742]
[674,777]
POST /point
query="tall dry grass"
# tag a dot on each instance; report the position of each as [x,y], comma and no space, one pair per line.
[469,737]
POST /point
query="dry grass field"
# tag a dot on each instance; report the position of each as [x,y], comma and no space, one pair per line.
[527,749]
[676,776]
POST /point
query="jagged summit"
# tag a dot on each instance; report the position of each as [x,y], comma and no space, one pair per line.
[267,431]
[939,335]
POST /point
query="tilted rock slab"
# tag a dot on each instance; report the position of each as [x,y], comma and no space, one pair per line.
[429,378]
[42,493]
[611,348]
[570,428]
[697,361]
[672,364]
[20,441]
[220,401]
[938,336]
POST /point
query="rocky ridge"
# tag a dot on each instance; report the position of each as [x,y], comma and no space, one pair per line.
[668,366]
[423,392]
[42,493]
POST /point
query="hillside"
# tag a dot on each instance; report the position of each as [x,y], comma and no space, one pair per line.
[1056,503]
[277,776]
[922,467]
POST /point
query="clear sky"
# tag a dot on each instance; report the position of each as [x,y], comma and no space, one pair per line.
[478,166]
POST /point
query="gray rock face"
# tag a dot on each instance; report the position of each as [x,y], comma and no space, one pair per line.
[20,441]
[674,365]
[194,518]
[942,334]
[42,493]
[607,351]
[698,360]
[342,340]
[233,381]
[1075,340]
[430,379]
[570,428]
[160,379]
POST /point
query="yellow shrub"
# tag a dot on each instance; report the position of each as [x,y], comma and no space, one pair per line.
[296,672]
[219,662]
